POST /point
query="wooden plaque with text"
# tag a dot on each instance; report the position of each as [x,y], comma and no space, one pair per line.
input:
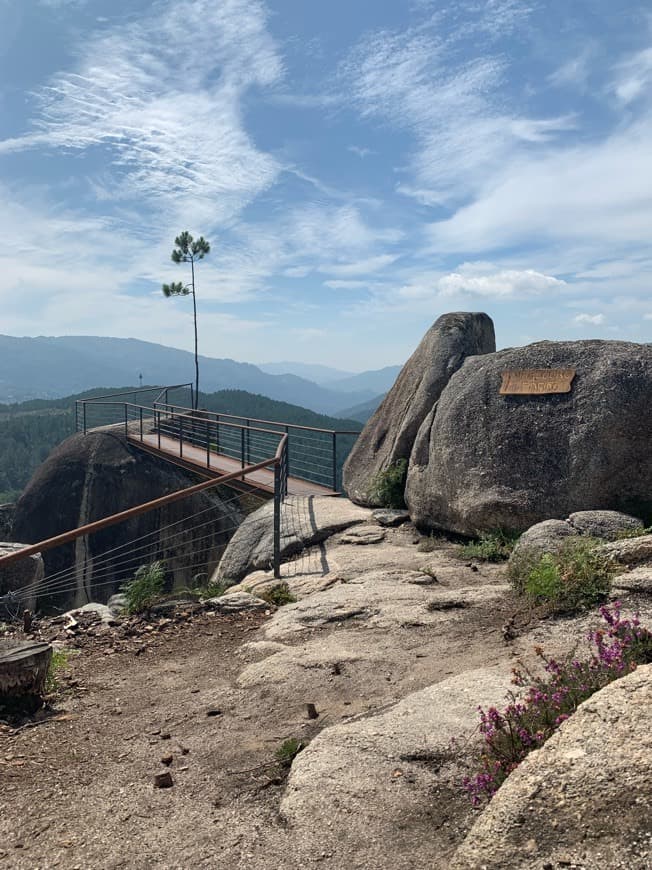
[536,382]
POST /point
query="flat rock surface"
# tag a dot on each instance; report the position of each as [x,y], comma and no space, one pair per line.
[305,520]
[584,799]
[630,551]
[381,791]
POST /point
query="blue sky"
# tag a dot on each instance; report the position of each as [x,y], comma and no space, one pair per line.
[359,168]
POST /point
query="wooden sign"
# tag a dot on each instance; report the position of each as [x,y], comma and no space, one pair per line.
[536,382]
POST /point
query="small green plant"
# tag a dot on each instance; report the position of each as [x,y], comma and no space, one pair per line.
[288,751]
[634,533]
[388,485]
[145,588]
[490,547]
[278,595]
[575,578]
[215,590]
[58,662]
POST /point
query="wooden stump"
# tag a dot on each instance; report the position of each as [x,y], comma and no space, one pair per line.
[23,669]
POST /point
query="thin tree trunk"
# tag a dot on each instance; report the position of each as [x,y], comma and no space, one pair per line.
[194,308]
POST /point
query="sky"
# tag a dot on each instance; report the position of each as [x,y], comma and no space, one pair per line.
[359,168]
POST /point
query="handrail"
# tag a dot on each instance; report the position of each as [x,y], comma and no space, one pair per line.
[255,420]
[137,510]
[195,419]
[92,399]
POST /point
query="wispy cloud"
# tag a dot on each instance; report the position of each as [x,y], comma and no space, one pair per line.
[590,319]
[634,77]
[450,99]
[165,101]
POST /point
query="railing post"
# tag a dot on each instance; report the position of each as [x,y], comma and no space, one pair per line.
[242,447]
[84,407]
[334,461]
[277,519]
[141,425]
[158,429]
[217,433]
[287,449]
[248,423]
[180,437]
[126,419]
[208,443]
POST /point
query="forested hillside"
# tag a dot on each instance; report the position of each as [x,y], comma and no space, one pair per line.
[29,430]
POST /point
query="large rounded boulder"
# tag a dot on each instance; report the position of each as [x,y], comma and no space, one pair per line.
[92,476]
[390,433]
[485,461]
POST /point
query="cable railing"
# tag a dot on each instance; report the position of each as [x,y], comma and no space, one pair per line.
[99,411]
[315,454]
[187,547]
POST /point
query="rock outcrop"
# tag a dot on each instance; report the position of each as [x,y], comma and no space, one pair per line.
[24,575]
[584,799]
[91,476]
[305,520]
[484,461]
[390,433]
[7,512]
[550,536]
[381,791]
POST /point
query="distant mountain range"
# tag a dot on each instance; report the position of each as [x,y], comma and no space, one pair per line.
[48,367]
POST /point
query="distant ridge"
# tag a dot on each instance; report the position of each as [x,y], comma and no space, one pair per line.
[49,367]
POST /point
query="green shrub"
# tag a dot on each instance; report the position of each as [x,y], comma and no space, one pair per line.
[145,588]
[288,751]
[278,595]
[58,662]
[490,547]
[575,578]
[388,485]
[634,533]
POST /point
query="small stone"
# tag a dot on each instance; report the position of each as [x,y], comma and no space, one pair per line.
[167,759]
[163,780]
[166,735]
[312,711]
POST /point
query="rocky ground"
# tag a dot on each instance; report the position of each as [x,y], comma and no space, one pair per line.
[394,640]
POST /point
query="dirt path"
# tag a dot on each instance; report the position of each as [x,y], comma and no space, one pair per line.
[77,790]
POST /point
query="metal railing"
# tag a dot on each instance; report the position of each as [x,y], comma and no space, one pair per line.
[314,454]
[277,461]
[98,411]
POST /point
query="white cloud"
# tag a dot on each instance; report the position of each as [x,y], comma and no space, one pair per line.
[164,100]
[634,77]
[575,71]
[451,100]
[591,319]
[595,194]
[360,152]
[502,284]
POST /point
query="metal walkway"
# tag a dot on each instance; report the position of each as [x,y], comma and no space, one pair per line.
[212,444]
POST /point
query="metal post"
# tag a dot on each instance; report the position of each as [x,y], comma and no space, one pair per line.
[84,407]
[126,418]
[180,437]
[287,450]
[208,443]
[277,520]
[242,447]
[248,423]
[217,433]
[159,430]
[334,461]
[141,424]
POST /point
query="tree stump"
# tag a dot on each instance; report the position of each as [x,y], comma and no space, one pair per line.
[23,669]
